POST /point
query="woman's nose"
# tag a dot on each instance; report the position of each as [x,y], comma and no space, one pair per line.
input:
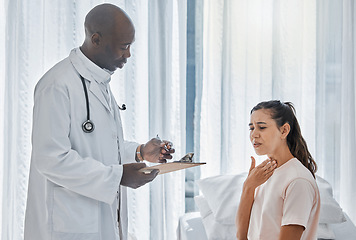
[254,133]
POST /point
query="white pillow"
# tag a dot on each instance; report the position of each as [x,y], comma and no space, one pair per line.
[330,210]
[222,193]
[203,206]
[213,229]
[325,232]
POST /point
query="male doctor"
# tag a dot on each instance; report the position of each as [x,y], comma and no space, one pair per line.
[78,170]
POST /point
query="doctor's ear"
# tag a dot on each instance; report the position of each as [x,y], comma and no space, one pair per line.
[96,39]
[285,129]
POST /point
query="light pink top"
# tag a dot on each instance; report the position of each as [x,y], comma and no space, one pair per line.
[290,196]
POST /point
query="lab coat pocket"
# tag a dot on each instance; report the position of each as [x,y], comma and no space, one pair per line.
[74,213]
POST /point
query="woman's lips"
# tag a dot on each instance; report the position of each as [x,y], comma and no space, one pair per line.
[256,145]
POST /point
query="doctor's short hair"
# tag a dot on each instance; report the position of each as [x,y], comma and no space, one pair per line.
[284,112]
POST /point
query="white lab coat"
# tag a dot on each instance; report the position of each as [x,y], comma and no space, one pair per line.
[75,176]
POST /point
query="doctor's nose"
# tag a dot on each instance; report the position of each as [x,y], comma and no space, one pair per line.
[127,53]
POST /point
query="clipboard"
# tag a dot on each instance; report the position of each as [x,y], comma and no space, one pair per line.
[170,167]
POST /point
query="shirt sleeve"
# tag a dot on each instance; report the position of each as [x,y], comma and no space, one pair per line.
[129,152]
[299,199]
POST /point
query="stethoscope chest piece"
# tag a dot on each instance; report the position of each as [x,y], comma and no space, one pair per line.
[88,126]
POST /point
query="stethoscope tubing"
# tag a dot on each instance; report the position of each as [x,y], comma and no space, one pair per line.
[88,125]
[86,97]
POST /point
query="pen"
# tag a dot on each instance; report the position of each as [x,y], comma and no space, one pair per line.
[165,145]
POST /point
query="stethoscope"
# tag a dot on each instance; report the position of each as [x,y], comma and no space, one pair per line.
[88,125]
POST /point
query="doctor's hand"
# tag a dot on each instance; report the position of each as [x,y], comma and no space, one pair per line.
[131,177]
[157,151]
[260,174]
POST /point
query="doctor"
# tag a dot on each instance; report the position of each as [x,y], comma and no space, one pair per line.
[80,164]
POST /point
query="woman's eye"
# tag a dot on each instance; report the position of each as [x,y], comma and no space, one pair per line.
[262,127]
[251,129]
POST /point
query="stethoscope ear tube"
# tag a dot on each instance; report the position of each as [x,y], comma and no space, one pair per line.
[88,125]
[123,107]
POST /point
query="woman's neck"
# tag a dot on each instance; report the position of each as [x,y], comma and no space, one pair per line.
[281,157]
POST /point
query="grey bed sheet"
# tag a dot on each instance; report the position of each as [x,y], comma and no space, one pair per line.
[191,228]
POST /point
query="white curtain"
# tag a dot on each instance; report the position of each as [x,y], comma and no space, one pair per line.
[301,51]
[2,106]
[252,51]
[152,84]
[336,100]
[155,88]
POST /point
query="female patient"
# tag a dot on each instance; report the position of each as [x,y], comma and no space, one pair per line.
[280,198]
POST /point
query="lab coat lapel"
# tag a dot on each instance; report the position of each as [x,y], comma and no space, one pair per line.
[94,88]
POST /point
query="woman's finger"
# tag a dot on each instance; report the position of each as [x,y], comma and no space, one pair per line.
[269,174]
[253,162]
[271,168]
[263,164]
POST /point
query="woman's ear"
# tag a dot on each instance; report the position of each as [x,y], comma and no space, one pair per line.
[285,129]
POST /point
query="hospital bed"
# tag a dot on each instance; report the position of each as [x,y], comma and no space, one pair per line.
[217,208]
